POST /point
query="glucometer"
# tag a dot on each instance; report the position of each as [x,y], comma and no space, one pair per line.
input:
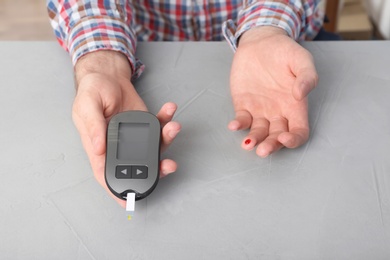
[133,155]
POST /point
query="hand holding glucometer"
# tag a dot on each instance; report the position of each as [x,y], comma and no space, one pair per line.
[133,155]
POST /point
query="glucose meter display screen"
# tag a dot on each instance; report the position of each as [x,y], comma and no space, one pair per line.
[133,141]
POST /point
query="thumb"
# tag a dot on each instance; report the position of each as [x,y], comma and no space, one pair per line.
[305,81]
[97,134]
[91,123]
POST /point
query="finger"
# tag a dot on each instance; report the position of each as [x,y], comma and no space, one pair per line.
[166,113]
[298,126]
[271,144]
[168,133]
[297,135]
[242,121]
[167,166]
[294,138]
[90,122]
[258,132]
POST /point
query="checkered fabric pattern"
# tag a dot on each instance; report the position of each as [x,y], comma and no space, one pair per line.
[83,26]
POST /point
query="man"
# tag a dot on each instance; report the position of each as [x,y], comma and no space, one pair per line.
[270,78]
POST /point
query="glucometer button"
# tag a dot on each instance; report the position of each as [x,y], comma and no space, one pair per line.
[139,172]
[123,172]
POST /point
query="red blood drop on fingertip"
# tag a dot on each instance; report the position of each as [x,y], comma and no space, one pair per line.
[247,141]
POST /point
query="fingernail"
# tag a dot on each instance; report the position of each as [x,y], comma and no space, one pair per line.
[263,153]
[173,133]
[170,111]
[166,172]
[233,125]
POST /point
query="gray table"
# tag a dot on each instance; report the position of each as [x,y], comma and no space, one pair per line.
[329,199]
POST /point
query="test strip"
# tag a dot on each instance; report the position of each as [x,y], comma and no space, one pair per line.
[130,201]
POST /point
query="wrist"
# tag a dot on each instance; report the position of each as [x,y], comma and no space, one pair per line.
[110,63]
[262,33]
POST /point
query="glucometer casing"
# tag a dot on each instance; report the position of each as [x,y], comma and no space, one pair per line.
[133,154]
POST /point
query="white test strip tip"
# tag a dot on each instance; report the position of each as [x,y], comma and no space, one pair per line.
[130,202]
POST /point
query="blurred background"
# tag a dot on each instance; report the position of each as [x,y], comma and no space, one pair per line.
[24,20]
[358,19]
[352,19]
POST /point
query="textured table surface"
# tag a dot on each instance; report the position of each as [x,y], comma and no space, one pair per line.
[329,199]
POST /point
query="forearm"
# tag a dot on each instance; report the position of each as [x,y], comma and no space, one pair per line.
[88,26]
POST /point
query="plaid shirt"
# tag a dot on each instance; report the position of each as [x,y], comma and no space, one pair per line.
[83,26]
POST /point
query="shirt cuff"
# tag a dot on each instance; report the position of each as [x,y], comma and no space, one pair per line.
[229,30]
[104,33]
[232,33]
[278,15]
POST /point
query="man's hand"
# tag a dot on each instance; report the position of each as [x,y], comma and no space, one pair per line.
[270,78]
[103,90]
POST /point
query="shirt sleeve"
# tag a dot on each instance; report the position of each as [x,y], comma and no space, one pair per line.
[301,19]
[83,26]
